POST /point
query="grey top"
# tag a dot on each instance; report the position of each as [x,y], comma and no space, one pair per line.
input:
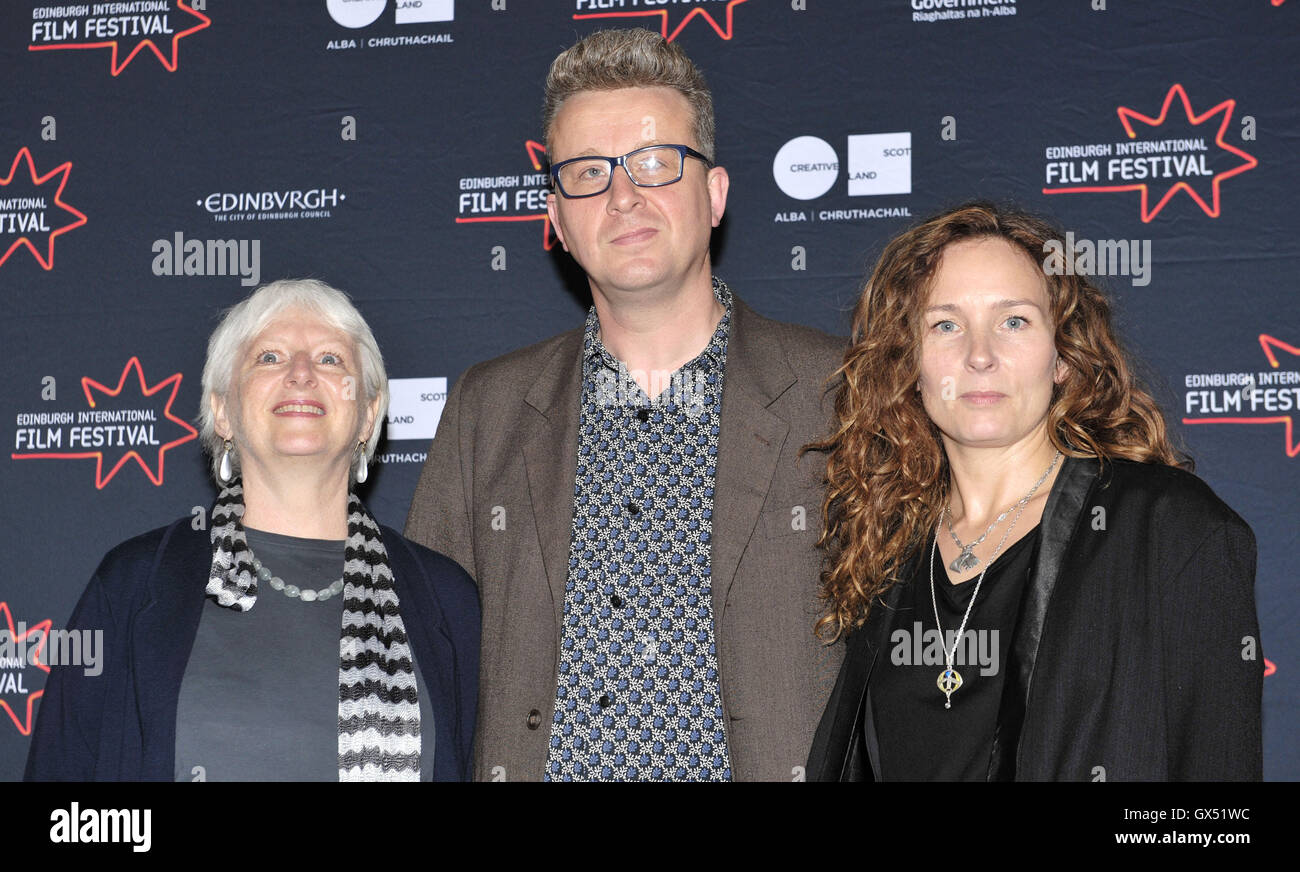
[260,696]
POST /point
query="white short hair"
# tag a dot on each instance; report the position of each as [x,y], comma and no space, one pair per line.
[245,320]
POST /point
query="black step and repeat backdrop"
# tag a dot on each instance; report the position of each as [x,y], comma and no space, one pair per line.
[159,158]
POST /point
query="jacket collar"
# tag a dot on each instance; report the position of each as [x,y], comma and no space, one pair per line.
[750,442]
[758,372]
[551,457]
[1061,515]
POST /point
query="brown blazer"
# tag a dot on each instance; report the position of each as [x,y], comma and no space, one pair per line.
[496,495]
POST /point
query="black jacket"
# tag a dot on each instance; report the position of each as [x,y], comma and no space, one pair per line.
[148,596]
[1136,653]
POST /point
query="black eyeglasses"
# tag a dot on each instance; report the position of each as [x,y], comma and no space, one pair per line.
[651,167]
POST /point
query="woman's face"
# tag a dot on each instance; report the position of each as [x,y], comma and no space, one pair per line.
[988,356]
[295,396]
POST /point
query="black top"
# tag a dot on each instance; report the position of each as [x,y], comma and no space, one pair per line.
[1141,571]
[260,697]
[919,739]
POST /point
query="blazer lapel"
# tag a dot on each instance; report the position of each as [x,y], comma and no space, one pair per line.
[749,442]
[1060,516]
[551,458]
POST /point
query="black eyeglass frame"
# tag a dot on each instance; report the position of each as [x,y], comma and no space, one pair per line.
[684,151]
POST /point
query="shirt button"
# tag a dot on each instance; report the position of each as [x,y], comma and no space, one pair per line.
[604,701]
[634,508]
[534,719]
[643,414]
[617,601]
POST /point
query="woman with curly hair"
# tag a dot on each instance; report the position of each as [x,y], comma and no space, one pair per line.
[1030,583]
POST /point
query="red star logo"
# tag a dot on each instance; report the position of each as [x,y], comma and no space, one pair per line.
[41,631]
[88,385]
[722,32]
[1127,116]
[39,217]
[1290,445]
[116,66]
[536,151]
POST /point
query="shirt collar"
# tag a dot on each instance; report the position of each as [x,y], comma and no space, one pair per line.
[713,357]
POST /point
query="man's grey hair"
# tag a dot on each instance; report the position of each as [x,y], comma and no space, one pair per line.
[245,320]
[608,60]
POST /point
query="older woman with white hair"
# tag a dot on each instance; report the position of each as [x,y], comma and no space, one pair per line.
[291,637]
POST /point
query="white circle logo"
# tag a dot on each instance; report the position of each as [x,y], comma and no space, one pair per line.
[806,167]
[355,13]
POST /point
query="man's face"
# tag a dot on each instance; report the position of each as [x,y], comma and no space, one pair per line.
[633,240]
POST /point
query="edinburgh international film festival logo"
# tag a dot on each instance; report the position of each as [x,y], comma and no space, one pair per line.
[32,210]
[126,29]
[131,421]
[1268,397]
[1176,150]
[719,15]
[508,197]
[23,663]
[27,651]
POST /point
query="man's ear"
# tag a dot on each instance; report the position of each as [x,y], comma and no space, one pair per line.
[719,183]
[553,212]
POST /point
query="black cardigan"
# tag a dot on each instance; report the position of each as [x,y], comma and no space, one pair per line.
[1136,655]
[148,596]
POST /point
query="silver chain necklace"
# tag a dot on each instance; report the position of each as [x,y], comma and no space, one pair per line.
[966,560]
[950,679]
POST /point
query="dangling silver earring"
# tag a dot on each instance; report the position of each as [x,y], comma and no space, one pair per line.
[363,469]
[224,473]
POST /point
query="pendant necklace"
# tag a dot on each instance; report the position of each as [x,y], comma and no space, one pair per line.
[950,679]
[966,560]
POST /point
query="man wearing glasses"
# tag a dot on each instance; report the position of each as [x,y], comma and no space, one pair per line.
[629,495]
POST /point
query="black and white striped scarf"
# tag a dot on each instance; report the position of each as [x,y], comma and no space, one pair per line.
[379,711]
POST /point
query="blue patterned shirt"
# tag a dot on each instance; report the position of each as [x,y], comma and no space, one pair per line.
[637,695]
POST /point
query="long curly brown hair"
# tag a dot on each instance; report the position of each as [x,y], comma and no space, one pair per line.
[886,470]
